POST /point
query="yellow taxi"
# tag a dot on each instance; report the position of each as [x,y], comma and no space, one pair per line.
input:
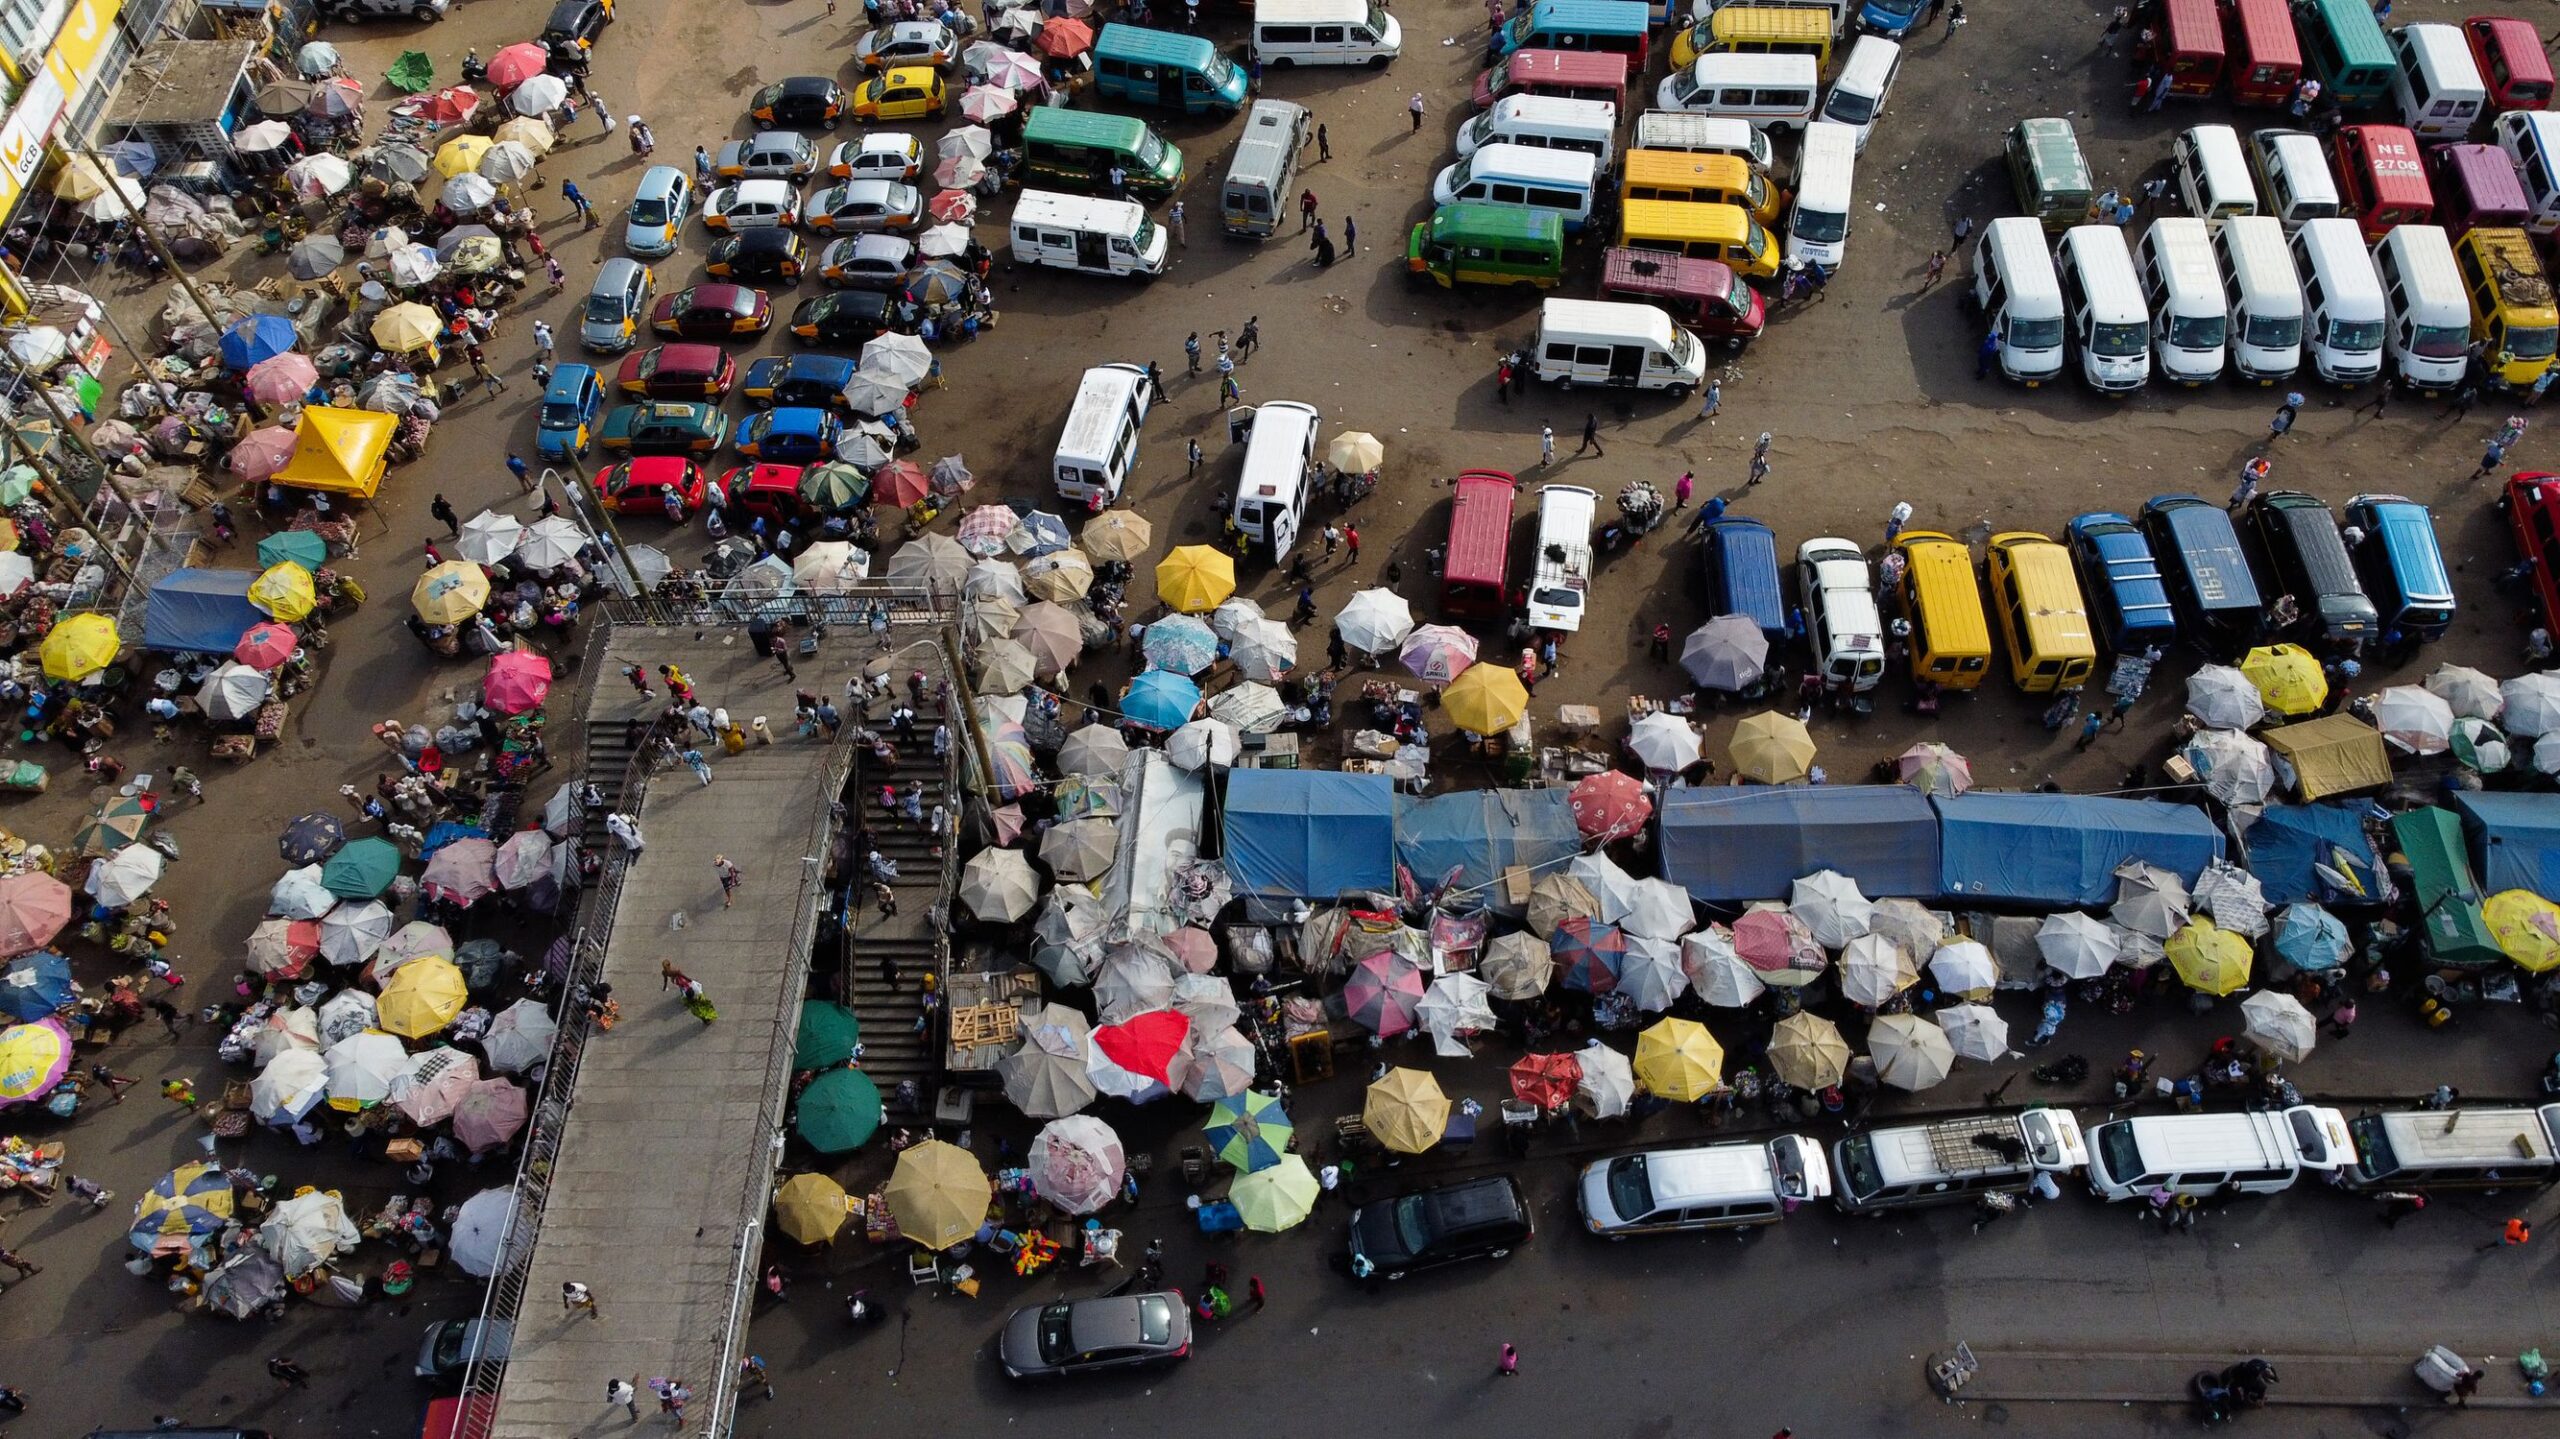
[910,92]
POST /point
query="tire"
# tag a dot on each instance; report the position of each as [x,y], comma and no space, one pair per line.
[1396,1278]
[1564,382]
[1680,392]
[424,14]
[1377,62]
[1284,63]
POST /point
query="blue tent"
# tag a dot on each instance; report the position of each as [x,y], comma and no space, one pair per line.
[35,985]
[199,610]
[1309,834]
[2514,839]
[1729,843]
[1479,833]
[2291,844]
[253,338]
[2061,850]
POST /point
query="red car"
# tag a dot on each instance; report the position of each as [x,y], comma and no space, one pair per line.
[677,372]
[2533,517]
[769,492]
[712,312]
[640,486]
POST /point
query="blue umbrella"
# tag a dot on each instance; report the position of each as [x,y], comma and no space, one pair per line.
[1590,953]
[1038,533]
[35,985]
[1160,699]
[257,337]
[2310,937]
[311,838]
[131,157]
[1183,644]
[1249,1131]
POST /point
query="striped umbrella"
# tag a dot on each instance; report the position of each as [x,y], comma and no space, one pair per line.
[1383,993]
[984,529]
[1249,1131]
[188,1203]
[1589,953]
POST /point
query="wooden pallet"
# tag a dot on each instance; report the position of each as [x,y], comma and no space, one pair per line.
[979,1025]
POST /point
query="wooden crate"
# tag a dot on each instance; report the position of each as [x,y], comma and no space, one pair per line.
[983,1024]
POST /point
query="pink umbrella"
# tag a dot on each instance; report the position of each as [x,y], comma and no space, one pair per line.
[954,207]
[1437,652]
[516,682]
[1193,946]
[437,1082]
[1383,993]
[985,104]
[516,64]
[33,909]
[525,859]
[265,646]
[1008,821]
[282,379]
[983,530]
[1610,805]
[900,483]
[264,452]
[1774,941]
[960,171]
[489,1114]
[463,872]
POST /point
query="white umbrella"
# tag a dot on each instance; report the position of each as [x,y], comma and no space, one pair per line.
[319,176]
[349,1011]
[551,542]
[291,1086]
[124,876]
[2533,703]
[1660,910]
[1910,1052]
[1663,742]
[1831,906]
[2415,719]
[362,1067]
[942,242]
[1907,922]
[1649,973]
[1203,743]
[975,141]
[480,1228]
[1095,749]
[2149,900]
[1454,1005]
[1045,1077]
[2078,945]
[307,1231]
[1208,1001]
[1081,849]
[1609,884]
[999,885]
[294,1028]
[539,95]
[1249,708]
[2278,1024]
[414,940]
[2235,767]
[899,359]
[994,580]
[232,692]
[1720,976]
[1263,649]
[467,192]
[2232,898]
[507,162]
[1375,621]
[1134,980]
[1873,969]
[1962,966]
[489,537]
[1222,1063]
[301,895]
[1608,1082]
[1975,1031]
[1229,618]
[519,1038]
[2472,694]
[1076,1163]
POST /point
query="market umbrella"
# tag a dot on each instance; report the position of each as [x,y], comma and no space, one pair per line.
[1679,1060]
[1076,1163]
[826,1037]
[314,256]
[254,338]
[1081,849]
[397,162]
[2533,703]
[1406,1111]
[2279,1026]
[1975,1031]
[507,162]
[1355,452]
[1277,1198]
[1607,1086]
[290,1086]
[189,1203]
[2471,693]
[2415,719]
[531,133]
[283,947]
[1909,1052]
[943,241]
[266,644]
[1555,898]
[490,1113]
[540,95]
[450,593]
[1193,579]
[986,104]
[257,458]
[311,838]
[33,986]
[352,1011]
[1135,980]
[1437,653]
[1117,536]
[937,1193]
[79,646]
[2224,698]
[285,592]
[839,1112]
[549,543]
[1545,1081]
[1251,708]
[1160,699]
[1832,907]
[2477,744]
[834,485]
[1375,621]
[1726,653]
[810,1209]
[1005,667]
[362,869]
[2232,897]
[480,1231]
[521,1036]
[1772,748]
[2525,925]
[959,171]
[124,876]
[1610,805]
[523,861]
[1485,700]
[1718,974]
[262,136]
[281,379]
[1094,749]
[982,531]
[1807,1051]
[1045,1077]
[2150,900]
[1383,994]
[1181,643]
[423,997]
[1222,1062]
[406,327]
[2287,678]
[1934,769]
[33,1059]
[245,1284]
[350,933]
[517,63]
[517,681]
[1062,38]
[830,567]
[999,885]
[362,1067]
[117,821]
[293,1027]
[899,359]
[2311,938]
[1265,650]
[34,906]
[463,872]
[319,176]
[953,207]
[1517,966]
[461,154]
[1873,969]
[933,559]
[2076,945]
[412,941]
[2215,961]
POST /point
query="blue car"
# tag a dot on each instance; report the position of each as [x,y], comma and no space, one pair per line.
[569,409]
[792,435]
[805,379]
[1890,17]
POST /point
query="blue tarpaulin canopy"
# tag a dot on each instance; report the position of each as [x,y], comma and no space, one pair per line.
[1727,843]
[2514,839]
[199,610]
[1309,834]
[2061,850]
[2291,846]
[1479,833]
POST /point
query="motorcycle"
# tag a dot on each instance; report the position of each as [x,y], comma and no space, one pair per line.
[2221,1394]
[475,71]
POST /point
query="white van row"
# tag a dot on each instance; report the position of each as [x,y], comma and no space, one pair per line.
[2193,299]
[1784,91]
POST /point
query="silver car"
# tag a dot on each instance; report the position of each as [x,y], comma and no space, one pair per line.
[769,155]
[616,303]
[1077,1336]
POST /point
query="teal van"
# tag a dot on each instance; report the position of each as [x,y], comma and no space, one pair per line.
[1621,27]
[2401,564]
[1159,67]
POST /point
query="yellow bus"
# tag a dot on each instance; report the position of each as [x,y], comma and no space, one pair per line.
[1701,180]
[1950,637]
[1757,30]
[1702,232]
[2043,617]
[2511,303]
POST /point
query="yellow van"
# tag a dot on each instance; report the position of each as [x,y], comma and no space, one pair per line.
[1950,638]
[2511,302]
[2042,615]
[1702,232]
[1757,30]
[1702,180]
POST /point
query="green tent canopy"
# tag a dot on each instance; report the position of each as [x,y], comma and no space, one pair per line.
[299,547]
[828,1032]
[839,1112]
[362,870]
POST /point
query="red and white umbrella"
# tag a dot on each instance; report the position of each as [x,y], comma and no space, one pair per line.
[266,645]
[986,104]
[1610,805]
[959,172]
[1140,1059]
[954,207]
[1438,653]
[516,64]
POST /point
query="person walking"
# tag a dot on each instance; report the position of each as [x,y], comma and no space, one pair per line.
[1306,210]
[730,879]
[2281,423]
[1508,1367]
[1681,489]
[1590,436]
[624,1394]
[2398,1205]
[1661,643]
[15,1260]
[1249,338]
[288,1373]
[1229,392]
[575,1296]
[1253,1293]
[180,1092]
[1955,20]
[2089,729]
[1350,237]
[672,1397]
[1546,444]
[1894,520]
[2490,458]
[1713,401]
[442,509]
[2342,1020]
[1173,222]
[2515,1234]
[577,199]
[1414,108]
[2250,474]
[1937,268]
[1324,145]
[522,471]
[700,766]
[116,1084]
[1351,542]
[1191,353]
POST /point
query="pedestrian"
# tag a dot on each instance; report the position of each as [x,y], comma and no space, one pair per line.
[1118,180]
[1591,436]
[1680,490]
[1306,210]
[2155,193]
[2343,1018]
[1253,1293]
[2089,729]
[1894,520]
[2250,474]
[625,1393]
[1713,402]
[1955,18]
[14,1260]
[701,168]
[1414,108]
[551,270]
[1546,444]
[1249,339]
[774,1283]
[577,199]
[1759,470]
[672,1397]
[2115,29]
[173,1021]
[2281,424]
[1662,640]
[1332,540]
[730,879]
[2465,396]
[89,1189]
[1986,354]
[1351,542]
[1502,380]
[2515,1234]
[1191,352]
[115,1083]
[2490,458]
[752,1374]
[2398,1205]
[1509,1365]
[180,1092]
[292,1375]
[2381,398]
[1324,145]
[1937,267]
[887,900]
[1318,239]
[1229,392]
[522,471]
[442,509]
[700,766]
[1350,236]
[2541,385]
[575,1296]
[1173,222]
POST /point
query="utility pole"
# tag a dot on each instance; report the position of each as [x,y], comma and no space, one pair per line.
[151,237]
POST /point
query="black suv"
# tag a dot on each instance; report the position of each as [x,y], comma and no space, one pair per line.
[1472,1219]
[2300,540]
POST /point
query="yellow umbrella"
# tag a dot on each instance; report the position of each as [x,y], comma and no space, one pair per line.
[423,996]
[2526,926]
[1485,699]
[938,1194]
[79,647]
[461,154]
[82,179]
[1279,1197]
[2210,959]
[450,593]
[1356,452]
[1406,1111]
[1807,1051]
[2287,677]
[284,592]
[1117,536]
[1679,1060]
[1772,748]
[406,327]
[809,1208]
[1195,579]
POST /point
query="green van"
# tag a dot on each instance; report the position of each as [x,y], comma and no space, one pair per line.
[2049,172]
[1078,149]
[2343,48]
[1476,244]
[1159,67]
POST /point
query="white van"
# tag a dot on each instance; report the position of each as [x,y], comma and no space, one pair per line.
[2490,1149]
[1704,135]
[1560,568]
[1565,181]
[2183,292]
[2213,173]
[1866,80]
[2294,176]
[2019,298]
[2531,139]
[2436,82]
[2344,322]
[1545,122]
[1098,450]
[1621,345]
[1735,1185]
[1818,226]
[1953,1161]
[2265,333]
[1263,177]
[1841,619]
[2422,293]
[1773,92]
[1279,439]
[2103,303]
[1082,232]
[2259,1152]
[1325,32]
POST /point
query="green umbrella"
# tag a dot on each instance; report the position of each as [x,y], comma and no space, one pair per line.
[834,485]
[299,547]
[362,870]
[1249,1131]
[111,826]
[16,483]
[828,1032]
[839,1111]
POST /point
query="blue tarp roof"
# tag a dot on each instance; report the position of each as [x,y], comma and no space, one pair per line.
[2289,839]
[2059,850]
[1731,843]
[1479,833]
[2514,839]
[199,610]
[1311,834]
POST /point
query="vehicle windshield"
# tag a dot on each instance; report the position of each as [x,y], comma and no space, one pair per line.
[2531,344]
[560,413]
[2276,332]
[1629,1192]
[2374,1154]
[1858,1166]
[1377,17]
[2440,342]
[2035,334]
[1057,1331]
[1557,598]
[648,211]
[765,98]
[2353,335]
[1218,71]
[1155,1321]
[1412,1232]
[605,308]
[1739,297]
[2120,342]
[2116,1150]
[1144,236]
[1756,193]
[2196,332]
[1684,89]
[1820,227]
[1150,151]
[1478,130]
[1849,109]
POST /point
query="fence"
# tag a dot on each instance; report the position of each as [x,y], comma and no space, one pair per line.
[884,603]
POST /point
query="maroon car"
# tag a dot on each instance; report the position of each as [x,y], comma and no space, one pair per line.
[677,372]
[712,312]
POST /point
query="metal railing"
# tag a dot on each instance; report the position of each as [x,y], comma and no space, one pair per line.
[893,602]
